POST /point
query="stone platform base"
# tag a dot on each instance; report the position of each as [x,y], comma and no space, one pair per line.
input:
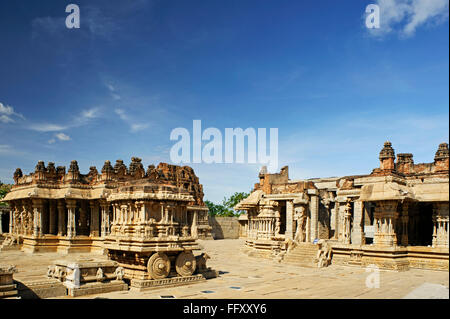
[140,285]
[62,244]
[8,291]
[264,248]
[391,258]
[47,288]
[10,248]
[97,288]
[7,284]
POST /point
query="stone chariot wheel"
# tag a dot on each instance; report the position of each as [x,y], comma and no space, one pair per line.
[158,266]
[185,263]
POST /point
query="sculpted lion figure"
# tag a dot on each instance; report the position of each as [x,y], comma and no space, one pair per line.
[201,261]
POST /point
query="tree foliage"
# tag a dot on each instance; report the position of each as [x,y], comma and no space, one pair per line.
[226,208]
[4,189]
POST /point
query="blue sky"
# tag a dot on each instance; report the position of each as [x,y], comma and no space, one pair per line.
[135,70]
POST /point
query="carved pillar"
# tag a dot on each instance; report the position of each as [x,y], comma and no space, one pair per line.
[289,220]
[358,230]
[308,229]
[336,220]
[94,229]
[167,210]
[37,217]
[441,224]
[123,216]
[11,220]
[194,225]
[340,226]
[405,220]
[105,218]
[52,217]
[71,227]
[346,229]
[61,217]
[384,219]
[314,209]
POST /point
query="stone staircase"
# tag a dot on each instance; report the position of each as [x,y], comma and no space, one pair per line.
[7,245]
[303,254]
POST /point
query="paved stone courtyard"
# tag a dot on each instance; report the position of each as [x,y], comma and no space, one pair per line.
[249,277]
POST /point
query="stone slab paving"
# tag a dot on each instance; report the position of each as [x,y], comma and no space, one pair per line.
[249,277]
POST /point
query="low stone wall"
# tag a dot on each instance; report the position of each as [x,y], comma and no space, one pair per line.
[224,227]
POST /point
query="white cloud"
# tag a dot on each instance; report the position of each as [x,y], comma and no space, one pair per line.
[110,87]
[62,137]
[121,114]
[82,119]
[134,126]
[6,119]
[59,136]
[7,113]
[5,109]
[47,127]
[405,16]
[5,149]
[112,91]
[91,113]
[138,127]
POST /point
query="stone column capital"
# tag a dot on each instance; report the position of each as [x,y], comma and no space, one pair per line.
[61,204]
[37,202]
[93,204]
[71,203]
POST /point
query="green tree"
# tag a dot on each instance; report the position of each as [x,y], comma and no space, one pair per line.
[4,189]
[226,208]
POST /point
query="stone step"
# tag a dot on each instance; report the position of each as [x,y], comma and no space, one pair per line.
[8,294]
[7,287]
[304,254]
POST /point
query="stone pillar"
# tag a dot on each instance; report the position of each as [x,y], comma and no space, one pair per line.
[1,224]
[289,220]
[308,229]
[71,227]
[11,220]
[94,229]
[194,225]
[358,230]
[37,217]
[336,220]
[405,220]
[105,218]
[61,218]
[314,210]
[52,217]
[346,223]
[384,221]
[441,224]
[123,214]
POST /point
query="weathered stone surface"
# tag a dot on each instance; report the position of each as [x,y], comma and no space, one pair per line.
[224,227]
[7,286]
[405,204]
[52,211]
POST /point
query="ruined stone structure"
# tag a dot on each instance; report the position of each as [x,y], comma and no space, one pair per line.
[397,217]
[54,210]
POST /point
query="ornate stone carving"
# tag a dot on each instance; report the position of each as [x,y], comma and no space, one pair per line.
[185,264]
[158,266]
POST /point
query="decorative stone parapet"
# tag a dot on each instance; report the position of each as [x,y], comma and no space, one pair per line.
[82,277]
[7,286]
